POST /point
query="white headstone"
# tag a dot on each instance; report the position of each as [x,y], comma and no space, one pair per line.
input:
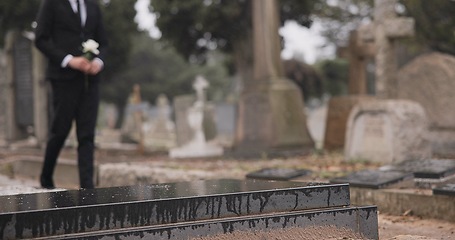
[387,131]
[198,146]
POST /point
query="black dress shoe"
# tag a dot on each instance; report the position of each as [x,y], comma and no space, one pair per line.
[47,184]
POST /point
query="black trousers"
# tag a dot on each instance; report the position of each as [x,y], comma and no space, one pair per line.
[73,100]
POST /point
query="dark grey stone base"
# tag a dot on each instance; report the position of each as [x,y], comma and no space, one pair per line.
[363,221]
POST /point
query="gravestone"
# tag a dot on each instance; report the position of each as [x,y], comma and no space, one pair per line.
[337,118]
[271,109]
[281,174]
[428,168]
[376,179]
[187,210]
[225,116]
[429,80]
[359,53]
[446,189]
[198,146]
[131,130]
[2,98]
[26,90]
[387,131]
[159,132]
[388,28]
[181,105]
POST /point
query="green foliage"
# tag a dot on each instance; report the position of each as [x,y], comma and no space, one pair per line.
[435,23]
[16,14]
[340,17]
[335,76]
[307,78]
[120,27]
[158,69]
[196,26]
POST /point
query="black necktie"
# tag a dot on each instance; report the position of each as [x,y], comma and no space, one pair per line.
[79,11]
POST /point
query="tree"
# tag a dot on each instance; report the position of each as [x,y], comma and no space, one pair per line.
[159,69]
[16,14]
[120,27]
[196,26]
[435,23]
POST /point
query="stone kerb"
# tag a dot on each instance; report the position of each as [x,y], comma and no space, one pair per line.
[387,131]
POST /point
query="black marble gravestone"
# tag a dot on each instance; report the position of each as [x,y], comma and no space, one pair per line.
[110,209]
[427,168]
[278,174]
[447,188]
[375,179]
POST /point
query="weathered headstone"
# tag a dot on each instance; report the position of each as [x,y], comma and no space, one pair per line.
[198,146]
[159,132]
[181,105]
[26,91]
[376,179]
[388,27]
[225,116]
[359,53]
[387,131]
[337,118]
[271,110]
[429,80]
[2,98]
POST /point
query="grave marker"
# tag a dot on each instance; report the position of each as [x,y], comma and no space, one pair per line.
[447,189]
[429,80]
[271,111]
[387,131]
[376,179]
[339,108]
[387,29]
[184,210]
[427,168]
[359,53]
[26,91]
[2,98]
[283,174]
[198,146]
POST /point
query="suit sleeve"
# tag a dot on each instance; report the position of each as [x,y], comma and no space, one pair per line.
[43,33]
[100,35]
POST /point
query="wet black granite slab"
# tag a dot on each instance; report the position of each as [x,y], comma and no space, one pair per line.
[447,188]
[78,211]
[278,173]
[375,179]
[360,220]
[427,168]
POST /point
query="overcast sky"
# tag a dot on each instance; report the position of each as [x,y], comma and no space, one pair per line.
[298,40]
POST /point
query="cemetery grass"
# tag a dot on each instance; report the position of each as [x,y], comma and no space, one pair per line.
[323,166]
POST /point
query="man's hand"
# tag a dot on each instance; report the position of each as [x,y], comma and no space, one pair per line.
[80,63]
[95,67]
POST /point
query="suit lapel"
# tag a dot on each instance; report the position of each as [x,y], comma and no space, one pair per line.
[75,19]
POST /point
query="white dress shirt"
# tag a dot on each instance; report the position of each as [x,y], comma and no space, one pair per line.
[83,10]
[82,7]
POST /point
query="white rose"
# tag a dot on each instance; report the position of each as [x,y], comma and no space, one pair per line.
[90,46]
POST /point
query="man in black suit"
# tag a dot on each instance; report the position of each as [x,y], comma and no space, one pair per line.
[62,27]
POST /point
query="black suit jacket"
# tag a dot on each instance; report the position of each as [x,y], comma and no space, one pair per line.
[59,33]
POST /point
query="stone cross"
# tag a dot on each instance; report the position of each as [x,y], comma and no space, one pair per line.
[268,65]
[387,28]
[359,52]
[271,111]
[199,85]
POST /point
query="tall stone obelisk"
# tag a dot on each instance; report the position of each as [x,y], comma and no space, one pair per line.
[271,110]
